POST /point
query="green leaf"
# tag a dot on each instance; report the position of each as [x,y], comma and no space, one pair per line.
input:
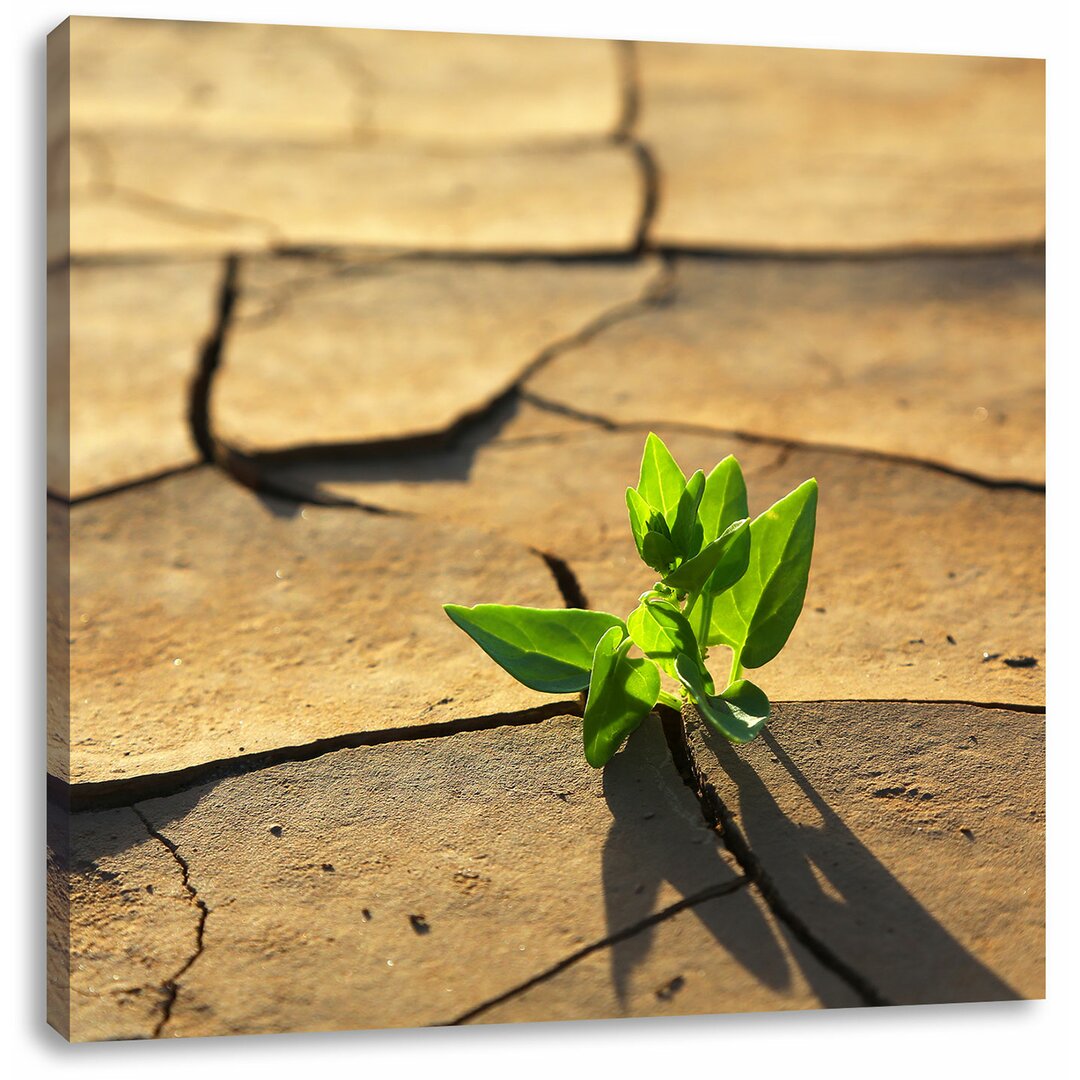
[756,616]
[658,552]
[661,632]
[720,563]
[739,713]
[686,531]
[661,482]
[748,705]
[547,650]
[723,502]
[622,691]
[651,533]
[640,512]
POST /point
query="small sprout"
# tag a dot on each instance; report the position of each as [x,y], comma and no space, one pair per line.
[724,580]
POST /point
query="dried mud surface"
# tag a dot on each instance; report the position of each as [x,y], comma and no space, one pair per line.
[336,342]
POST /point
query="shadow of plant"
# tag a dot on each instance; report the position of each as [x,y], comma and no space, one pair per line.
[659,835]
[826,879]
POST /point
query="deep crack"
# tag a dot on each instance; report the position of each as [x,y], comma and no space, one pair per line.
[171,987]
[1008,706]
[248,467]
[565,578]
[109,794]
[787,443]
[210,359]
[126,485]
[718,816]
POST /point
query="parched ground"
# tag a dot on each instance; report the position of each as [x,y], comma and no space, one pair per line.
[348,324]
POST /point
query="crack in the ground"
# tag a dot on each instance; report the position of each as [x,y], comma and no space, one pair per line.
[603,258]
[126,485]
[210,359]
[605,423]
[198,395]
[711,893]
[626,135]
[171,987]
[247,467]
[650,199]
[567,581]
[1034,246]
[102,183]
[1006,706]
[110,794]
[265,303]
[190,216]
[719,817]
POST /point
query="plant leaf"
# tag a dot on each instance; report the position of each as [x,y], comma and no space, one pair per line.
[748,705]
[757,614]
[686,531]
[720,563]
[622,691]
[658,552]
[739,713]
[661,482]
[547,650]
[662,633]
[723,502]
[640,512]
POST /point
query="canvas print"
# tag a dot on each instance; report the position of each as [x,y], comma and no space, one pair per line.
[539,529]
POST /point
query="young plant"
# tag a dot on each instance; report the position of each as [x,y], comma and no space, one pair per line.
[724,580]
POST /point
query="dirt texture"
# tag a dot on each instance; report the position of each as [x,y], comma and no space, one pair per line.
[120,380]
[317,84]
[208,623]
[153,192]
[812,150]
[938,360]
[329,354]
[408,884]
[762,969]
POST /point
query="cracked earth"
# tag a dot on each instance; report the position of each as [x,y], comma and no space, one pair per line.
[386,329]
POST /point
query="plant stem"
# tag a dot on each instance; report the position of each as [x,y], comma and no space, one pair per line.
[691,599]
[736,667]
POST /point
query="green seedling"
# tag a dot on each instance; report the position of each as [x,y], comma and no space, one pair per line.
[724,580]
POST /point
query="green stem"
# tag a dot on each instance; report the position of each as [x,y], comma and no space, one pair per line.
[691,600]
[736,667]
[706,601]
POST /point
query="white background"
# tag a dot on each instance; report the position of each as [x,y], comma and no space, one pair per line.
[1010,1039]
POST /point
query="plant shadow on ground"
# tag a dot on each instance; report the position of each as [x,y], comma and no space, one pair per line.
[846,897]
[658,835]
